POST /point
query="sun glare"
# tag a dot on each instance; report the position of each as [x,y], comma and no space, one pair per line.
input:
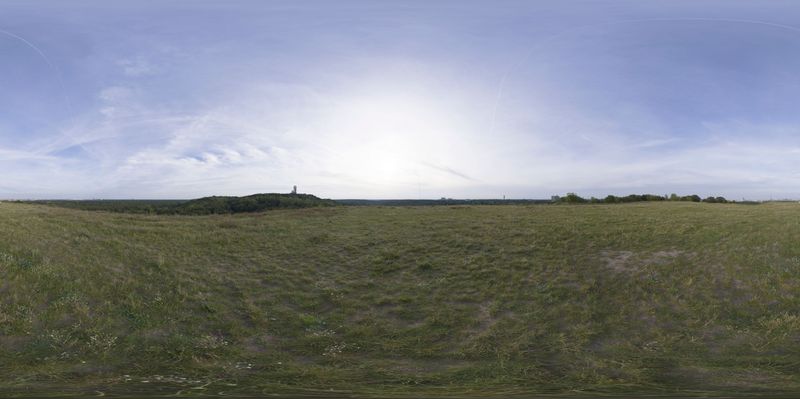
[385,139]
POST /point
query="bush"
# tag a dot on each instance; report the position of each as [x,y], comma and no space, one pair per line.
[692,198]
[572,198]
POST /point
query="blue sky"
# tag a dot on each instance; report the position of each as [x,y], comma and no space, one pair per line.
[399,99]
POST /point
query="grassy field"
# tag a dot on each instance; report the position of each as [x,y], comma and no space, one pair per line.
[659,298]
[218,205]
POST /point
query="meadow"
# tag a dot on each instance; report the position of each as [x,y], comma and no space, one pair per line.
[216,205]
[667,298]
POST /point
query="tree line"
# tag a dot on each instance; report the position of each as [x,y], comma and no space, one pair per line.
[572,198]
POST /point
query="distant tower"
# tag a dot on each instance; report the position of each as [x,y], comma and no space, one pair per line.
[294,189]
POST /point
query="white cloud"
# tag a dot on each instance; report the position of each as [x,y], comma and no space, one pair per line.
[137,66]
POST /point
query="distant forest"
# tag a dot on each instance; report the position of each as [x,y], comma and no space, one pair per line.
[572,198]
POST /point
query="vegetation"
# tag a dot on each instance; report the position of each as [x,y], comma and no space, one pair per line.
[572,198]
[671,298]
[201,206]
[442,201]
[251,203]
[123,206]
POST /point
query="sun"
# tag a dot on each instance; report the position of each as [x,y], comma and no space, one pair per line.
[384,139]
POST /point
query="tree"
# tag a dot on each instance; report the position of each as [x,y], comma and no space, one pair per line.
[572,198]
[611,199]
[692,198]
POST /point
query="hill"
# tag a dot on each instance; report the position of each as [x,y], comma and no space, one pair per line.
[250,203]
[664,298]
[201,206]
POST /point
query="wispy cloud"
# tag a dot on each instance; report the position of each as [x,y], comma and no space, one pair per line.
[137,66]
[449,171]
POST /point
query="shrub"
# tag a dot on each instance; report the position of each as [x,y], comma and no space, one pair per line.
[572,198]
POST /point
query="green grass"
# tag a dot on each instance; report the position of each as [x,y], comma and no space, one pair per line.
[200,206]
[660,298]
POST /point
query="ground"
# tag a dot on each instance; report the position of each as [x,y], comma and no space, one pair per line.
[660,298]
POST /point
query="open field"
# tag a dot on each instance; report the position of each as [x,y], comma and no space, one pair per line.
[666,298]
[201,206]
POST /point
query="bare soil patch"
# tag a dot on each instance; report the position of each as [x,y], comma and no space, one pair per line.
[629,261]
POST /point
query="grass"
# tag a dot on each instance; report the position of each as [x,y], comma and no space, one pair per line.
[658,298]
[201,206]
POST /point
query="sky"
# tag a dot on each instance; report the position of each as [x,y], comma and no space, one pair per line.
[399,99]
